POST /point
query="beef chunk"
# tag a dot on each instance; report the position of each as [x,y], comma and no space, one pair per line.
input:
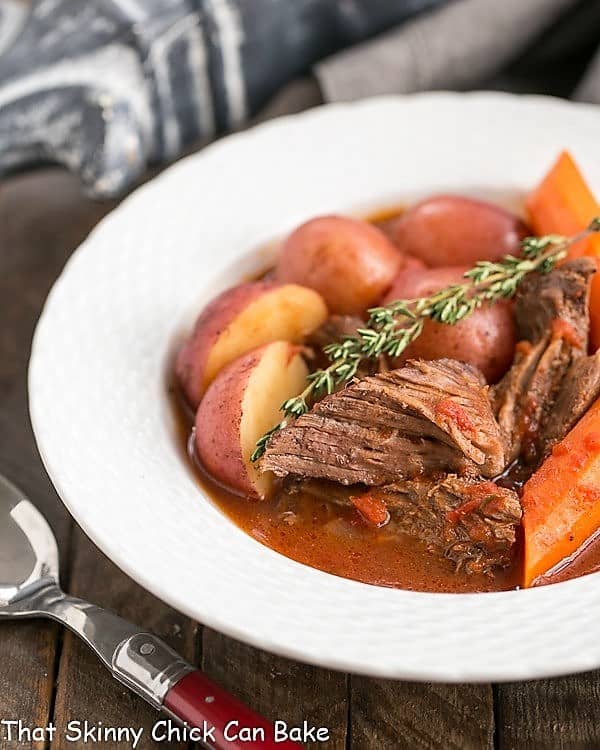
[551,311]
[578,391]
[426,418]
[469,521]
[562,294]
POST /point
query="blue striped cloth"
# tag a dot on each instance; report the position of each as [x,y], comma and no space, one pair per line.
[108,87]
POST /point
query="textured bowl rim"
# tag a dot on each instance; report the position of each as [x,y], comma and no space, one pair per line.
[390,655]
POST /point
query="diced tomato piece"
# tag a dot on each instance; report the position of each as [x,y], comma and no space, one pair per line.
[372,508]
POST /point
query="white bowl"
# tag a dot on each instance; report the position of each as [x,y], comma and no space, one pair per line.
[105,428]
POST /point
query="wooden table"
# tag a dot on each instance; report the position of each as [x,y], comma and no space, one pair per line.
[47,675]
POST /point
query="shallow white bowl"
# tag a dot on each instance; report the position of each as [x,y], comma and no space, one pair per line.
[104,424]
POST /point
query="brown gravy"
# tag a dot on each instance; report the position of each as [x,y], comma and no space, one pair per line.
[335,539]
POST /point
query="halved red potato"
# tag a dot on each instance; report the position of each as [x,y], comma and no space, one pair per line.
[240,405]
[349,262]
[453,230]
[241,319]
[485,339]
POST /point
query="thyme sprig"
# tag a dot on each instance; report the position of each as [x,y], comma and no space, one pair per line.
[392,328]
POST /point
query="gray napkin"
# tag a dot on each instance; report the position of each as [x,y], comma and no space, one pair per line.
[471,44]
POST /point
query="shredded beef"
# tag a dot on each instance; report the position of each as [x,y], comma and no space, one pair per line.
[425,419]
[578,391]
[551,311]
[471,522]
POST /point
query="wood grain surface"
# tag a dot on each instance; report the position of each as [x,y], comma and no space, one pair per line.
[421,716]
[48,675]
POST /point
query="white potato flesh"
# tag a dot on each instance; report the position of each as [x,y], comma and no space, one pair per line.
[278,376]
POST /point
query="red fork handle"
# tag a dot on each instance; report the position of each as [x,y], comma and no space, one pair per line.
[198,702]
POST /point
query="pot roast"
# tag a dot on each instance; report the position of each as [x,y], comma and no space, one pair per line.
[425,418]
[430,437]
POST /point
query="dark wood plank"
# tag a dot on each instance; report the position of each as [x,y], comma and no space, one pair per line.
[278,688]
[86,690]
[26,677]
[558,713]
[43,217]
[415,716]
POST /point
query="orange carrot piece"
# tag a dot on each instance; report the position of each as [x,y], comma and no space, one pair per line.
[561,501]
[371,508]
[564,204]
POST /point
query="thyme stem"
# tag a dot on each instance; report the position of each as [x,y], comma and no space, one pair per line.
[392,328]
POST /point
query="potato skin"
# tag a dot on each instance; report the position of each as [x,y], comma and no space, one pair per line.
[453,230]
[214,318]
[485,339]
[286,312]
[420,281]
[218,424]
[241,404]
[412,264]
[349,262]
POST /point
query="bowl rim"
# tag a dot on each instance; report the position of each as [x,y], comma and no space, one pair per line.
[286,646]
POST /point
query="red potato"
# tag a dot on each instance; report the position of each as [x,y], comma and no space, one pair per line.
[412,264]
[349,262]
[416,281]
[452,230]
[485,339]
[240,405]
[241,319]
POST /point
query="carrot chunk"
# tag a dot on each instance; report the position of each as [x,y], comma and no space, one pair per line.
[371,508]
[564,204]
[561,501]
